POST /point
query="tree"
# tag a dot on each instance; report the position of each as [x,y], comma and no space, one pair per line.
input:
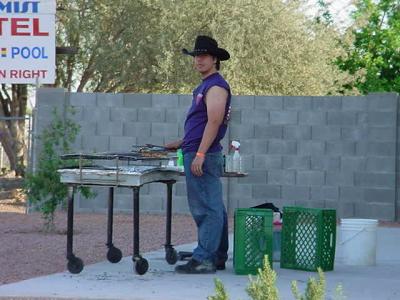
[13,101]
[135,46]
[115,42]
[373,53]
[275,48]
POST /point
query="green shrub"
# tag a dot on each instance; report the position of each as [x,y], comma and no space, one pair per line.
[263,287]
[315,289]
[220,292]
[42,186]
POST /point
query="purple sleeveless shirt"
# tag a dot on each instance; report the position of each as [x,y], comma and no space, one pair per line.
[196,118]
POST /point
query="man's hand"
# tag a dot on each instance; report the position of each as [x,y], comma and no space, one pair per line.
[197,166]
[173,145]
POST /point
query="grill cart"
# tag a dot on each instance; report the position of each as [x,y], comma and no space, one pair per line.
[143,165]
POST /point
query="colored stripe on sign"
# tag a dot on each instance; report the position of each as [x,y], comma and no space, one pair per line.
[3,52]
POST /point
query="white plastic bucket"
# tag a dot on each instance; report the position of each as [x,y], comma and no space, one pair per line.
[358,241]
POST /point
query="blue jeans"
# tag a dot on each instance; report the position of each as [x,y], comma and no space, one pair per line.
[207,207]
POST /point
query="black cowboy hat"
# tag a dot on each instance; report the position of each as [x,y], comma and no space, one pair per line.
[207,45]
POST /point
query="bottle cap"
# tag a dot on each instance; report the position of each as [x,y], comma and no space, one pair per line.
[235,145]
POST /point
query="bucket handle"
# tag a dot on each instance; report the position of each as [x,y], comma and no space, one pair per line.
[352,237]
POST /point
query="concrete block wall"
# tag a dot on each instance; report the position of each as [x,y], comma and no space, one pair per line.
[333,152]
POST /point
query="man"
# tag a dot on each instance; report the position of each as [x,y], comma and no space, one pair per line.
[205,126]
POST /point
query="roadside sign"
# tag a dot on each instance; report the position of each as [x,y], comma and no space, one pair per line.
[27,41]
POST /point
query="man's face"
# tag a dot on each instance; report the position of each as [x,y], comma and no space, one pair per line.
[204,63]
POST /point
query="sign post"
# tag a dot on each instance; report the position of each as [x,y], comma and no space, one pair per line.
[27,42]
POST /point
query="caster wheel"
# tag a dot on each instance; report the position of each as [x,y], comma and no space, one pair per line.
[75,265]
[171,256]
[141,266]
[114,255]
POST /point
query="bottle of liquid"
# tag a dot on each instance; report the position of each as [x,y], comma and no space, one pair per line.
[228,163]
[237,160]
[179,161]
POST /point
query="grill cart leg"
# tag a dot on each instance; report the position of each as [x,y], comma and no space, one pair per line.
[171,256]
[75,264]
[114,255]
[141,264]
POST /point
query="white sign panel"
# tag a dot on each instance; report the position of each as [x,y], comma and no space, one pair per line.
[27,41]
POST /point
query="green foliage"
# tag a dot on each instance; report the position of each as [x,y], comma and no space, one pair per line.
[117,44]
[220,291]
[43,186]
[135,46]
[275,49]
[315,288]
[263,287]
[373,53]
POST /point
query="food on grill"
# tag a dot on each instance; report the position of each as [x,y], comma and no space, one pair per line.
[153,154]
[138,153]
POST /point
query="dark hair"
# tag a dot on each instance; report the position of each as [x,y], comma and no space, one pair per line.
[218,63]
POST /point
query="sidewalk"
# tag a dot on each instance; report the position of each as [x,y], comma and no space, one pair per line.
[118,281]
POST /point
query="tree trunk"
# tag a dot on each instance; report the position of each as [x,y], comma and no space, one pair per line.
[19,128]
[12,131]
[7,143]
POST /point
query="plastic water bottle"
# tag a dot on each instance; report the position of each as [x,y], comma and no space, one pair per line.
[237,160]
[228,163]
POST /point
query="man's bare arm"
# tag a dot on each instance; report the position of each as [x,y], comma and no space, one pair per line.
[216,101]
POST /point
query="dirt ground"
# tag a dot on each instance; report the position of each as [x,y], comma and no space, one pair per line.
[27,251]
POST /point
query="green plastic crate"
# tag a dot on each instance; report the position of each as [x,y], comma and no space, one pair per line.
[252,239]
[308,238]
